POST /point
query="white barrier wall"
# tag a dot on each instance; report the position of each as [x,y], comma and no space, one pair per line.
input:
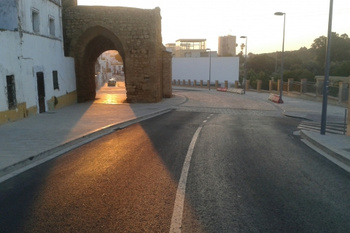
[222,69]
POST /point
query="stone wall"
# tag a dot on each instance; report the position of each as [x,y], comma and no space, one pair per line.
[134,33]
[167,74]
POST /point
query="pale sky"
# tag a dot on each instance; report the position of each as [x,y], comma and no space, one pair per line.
[306,20]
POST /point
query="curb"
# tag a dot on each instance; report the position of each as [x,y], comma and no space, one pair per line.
[73,143]
[285,113]
[334,155]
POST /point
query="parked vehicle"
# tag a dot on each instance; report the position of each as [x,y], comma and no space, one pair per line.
[112,82]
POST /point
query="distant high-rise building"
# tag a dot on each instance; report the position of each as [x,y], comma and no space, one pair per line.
[227,46]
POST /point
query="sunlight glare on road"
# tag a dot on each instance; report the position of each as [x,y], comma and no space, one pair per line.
[111,95]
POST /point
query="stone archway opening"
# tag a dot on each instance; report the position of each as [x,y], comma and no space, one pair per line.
[134,33]
[91,44]
[110,78]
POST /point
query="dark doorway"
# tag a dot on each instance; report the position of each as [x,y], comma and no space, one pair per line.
[41,91]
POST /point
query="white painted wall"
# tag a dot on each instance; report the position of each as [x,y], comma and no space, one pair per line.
[8,63]
[222,69]
[45,56]
[27,53]
[46,9]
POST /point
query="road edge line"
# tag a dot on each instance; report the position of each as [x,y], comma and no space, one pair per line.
[176,220]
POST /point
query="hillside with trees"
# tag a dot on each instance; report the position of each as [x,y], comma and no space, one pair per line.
[305,63]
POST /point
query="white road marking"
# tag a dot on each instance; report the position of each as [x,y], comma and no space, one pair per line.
[176,220]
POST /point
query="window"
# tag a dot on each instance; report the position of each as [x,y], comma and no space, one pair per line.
[11,91]
[51,26]
[35,20]
[55,80]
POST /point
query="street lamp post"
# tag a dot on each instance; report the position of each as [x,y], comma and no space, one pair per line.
[282,61]
[245,63]
[326,76]
[209,65]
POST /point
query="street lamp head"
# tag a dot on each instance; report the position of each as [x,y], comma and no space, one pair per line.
[280,13]
[243,37]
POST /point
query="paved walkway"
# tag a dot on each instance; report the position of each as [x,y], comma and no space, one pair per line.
[25,143]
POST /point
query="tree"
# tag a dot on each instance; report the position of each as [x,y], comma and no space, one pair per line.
[255,76]
[262,62]
[300,64]
[340,48]
[340,68]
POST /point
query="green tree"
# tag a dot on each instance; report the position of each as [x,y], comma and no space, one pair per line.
[299,64]
[262,62]
[340,68]
[340,48]
[253,77]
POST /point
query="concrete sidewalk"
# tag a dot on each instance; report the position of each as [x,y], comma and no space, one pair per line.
[25,143]
[44,136]
[334,147]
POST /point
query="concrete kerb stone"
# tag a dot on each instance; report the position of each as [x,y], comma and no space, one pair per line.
[297,115]
[231,90]
[76,142]
[337,156]
[235,90]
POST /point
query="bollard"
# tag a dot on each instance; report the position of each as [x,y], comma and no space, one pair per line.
[258,85]
[247,85]
[270,85]
[290,84]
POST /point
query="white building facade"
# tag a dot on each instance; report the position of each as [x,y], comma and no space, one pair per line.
[35,76]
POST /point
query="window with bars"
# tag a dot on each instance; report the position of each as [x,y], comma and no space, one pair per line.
[11,91]
[55,80]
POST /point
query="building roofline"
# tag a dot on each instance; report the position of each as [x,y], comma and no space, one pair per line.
[191,40]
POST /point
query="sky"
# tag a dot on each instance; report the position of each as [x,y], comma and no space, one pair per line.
[306,20]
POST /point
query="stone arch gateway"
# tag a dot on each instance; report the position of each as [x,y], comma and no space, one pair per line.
[134,33]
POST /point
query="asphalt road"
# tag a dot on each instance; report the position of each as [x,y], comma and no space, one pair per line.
[248,173]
